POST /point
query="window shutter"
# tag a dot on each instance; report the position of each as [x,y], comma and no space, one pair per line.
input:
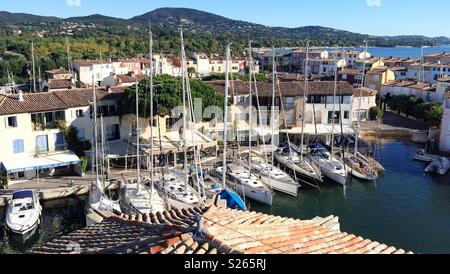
[15,146]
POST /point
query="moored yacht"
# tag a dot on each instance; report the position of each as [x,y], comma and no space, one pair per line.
[24,212]
[245,183]
[331,166]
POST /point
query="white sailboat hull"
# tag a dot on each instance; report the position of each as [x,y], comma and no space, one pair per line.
[261,196]
[361,176]
[144,200]
[336,177]
[293,166]
[280,186]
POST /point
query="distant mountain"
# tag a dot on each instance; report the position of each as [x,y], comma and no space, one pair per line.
[200,24]
[8,18]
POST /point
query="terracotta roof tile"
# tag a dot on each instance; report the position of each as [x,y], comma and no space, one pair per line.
[286,88]
[228,231]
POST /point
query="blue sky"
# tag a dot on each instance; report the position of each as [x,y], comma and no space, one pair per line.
[376,17]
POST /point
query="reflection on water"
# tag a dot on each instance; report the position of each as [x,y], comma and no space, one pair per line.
[405,207]
[58,218]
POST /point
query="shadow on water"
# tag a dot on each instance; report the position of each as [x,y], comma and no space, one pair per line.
[59,217]
[404,208]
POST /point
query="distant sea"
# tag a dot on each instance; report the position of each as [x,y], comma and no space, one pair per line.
[394,51]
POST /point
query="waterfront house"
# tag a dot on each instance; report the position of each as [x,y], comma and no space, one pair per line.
[363,100]
[33,124]
[325,66]
[350,56]
[211,230]
[121,80]
[370,64]
[378,76]
[292,93]
[443,58]
[444,144]
[426,91]
[92,70]
[136,66]
[58,74]
[351,75]
[428,72]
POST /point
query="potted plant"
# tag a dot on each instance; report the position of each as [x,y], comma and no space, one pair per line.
[4,180]
[83,166]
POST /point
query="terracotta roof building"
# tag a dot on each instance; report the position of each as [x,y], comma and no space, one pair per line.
[287,88]
[212,230]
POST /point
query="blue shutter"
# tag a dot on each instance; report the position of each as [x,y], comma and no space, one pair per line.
[18,146]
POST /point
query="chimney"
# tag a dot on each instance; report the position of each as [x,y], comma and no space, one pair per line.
[21,96]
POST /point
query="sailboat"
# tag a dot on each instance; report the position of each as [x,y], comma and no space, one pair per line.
[358,165]
[175,182]
[98,199]
[331,165]
[136,196]
[272,176]
[291,159]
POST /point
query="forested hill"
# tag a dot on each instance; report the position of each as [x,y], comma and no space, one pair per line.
[200,24]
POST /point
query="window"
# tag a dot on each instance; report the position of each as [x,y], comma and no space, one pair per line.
[346,115]
[11,121]
[344,76]
[289,102]
[335,117]
[79,113]
[18,146]
[112,132]
[112,110]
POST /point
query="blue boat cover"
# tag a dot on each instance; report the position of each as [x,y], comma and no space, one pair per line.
[234,201]
[23,194]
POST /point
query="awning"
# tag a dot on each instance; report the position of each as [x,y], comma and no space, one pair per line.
[35,163]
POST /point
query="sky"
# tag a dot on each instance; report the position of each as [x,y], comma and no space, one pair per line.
[375,17]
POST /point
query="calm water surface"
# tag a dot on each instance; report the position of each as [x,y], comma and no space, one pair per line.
[404,208]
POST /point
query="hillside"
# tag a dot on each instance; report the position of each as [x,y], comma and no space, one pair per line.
[200,24]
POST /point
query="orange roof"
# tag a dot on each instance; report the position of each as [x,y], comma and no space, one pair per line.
[227,231]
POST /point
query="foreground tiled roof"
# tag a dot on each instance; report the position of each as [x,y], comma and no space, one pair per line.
[52,101]
[227,231]
[286,88]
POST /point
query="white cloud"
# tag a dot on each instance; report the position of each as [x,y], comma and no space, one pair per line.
[73,3]
[374,3]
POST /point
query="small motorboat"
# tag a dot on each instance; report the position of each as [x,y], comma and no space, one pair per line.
[440,166]
[24,212]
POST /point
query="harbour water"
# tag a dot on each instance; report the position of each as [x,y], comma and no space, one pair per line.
[404,208]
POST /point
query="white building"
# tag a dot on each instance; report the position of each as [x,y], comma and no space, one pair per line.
[426,91]
[363,100]
[86,69]
[350,56]
[31,127]
[444,144]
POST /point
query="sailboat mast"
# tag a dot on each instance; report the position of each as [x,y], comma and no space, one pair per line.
[68,56]
[102,146]
[151,107]
[272,115]
[358,112]
[183,73]
[95,160]
[138,151]
[334,102]
[250,120]
[225,119]
[34,69]
[305,72]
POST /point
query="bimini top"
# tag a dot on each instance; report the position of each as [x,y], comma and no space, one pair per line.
[22,194]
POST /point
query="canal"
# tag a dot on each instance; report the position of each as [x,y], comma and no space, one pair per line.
[404,208]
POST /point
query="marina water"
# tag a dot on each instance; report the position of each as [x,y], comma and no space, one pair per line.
[405,207]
